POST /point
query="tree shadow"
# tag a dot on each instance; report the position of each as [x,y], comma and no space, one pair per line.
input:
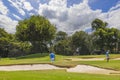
[37,55]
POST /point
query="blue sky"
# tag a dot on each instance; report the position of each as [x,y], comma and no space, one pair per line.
[67,15]
[72,2]
[104,5]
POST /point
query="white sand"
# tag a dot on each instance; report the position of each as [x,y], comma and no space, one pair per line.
[28,67]
[91,69]
[78,68]
[90,59]
[116,59]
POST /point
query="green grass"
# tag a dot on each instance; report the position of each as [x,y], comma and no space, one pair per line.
[61,60]
[113,64]
[30,59]
[53,75]
[58,74]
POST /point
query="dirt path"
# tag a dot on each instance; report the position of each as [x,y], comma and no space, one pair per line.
[78,68]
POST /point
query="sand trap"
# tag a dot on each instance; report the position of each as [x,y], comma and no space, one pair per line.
[78,68]
[90,59]
[91,69]
[28,67]
[116,59]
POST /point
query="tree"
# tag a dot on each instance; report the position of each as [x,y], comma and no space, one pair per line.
[105,38]
[5,39]
[62,44]
[37,30]
[19,49]
[112,39]
[99,32]
[61,36]
[63,47]
[80,40]
[97,24]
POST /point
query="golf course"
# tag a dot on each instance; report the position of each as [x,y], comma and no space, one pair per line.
[59,39]
[62,63]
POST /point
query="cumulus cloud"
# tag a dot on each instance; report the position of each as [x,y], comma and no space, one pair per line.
[7,23]
[112,16]
[76,17]
[17,17]
[69,19]
[18,4]
[27,6]
[3,9]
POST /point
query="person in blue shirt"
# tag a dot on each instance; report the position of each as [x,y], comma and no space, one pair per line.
[52,56]
[107,55]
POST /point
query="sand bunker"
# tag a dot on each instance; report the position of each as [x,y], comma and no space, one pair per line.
[28,67]
[91,69]
[90,59]
[78,68]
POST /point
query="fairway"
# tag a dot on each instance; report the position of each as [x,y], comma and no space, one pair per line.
[61,61]
[59,39]
[53,75]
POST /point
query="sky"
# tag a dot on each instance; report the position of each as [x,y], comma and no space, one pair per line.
[67,15]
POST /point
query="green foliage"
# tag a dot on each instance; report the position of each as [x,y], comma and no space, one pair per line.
[61,36]
[37,35]
[3,33]
[97,24]
[63,47]
[19,49]
[37,30]
[5,39]
[81,40]
[107,38]
[62,44]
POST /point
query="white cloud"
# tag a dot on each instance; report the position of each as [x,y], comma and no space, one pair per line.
[3,8]
[7,23]
[17,17]
[115,7]
[69,19]
[77,17]
[27,6]
[18,5]
[112,16]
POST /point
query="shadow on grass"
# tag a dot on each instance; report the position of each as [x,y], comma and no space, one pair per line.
[36,55]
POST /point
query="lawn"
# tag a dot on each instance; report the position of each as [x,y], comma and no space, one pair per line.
[61,60]
[53,75]
[58,74]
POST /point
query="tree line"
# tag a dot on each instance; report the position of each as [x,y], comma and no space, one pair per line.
[37,35]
